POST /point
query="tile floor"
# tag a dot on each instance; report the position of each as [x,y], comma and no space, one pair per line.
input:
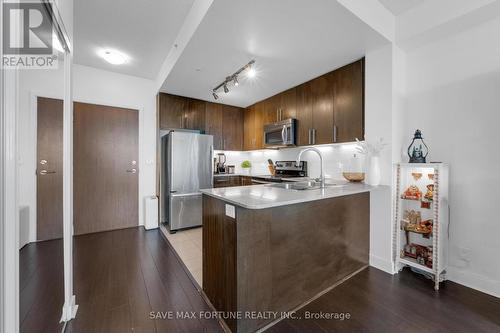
[187,244]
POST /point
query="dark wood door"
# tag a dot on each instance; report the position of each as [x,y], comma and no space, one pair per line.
[232,128]
[194,115]
[349,102]
[304,114]
[49,194]
[171,111]
[322,109]
[213,123]
[105,157]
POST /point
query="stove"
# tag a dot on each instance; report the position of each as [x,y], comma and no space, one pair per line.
[284,170]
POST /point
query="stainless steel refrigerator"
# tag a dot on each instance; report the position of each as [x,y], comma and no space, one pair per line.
[186,168]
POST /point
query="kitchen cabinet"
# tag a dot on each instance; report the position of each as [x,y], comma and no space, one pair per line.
[315,112]
[171,111]
[194,114]
[213,123]
[348,103]
[253,127]
[304,114]
[232,128]
[181,112]
[322,110]
[288,104]
[229,181]
[330,108]
[225,123]
[278,107]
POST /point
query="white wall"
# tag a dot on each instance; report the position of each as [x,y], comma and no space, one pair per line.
[453,97]
[92,86]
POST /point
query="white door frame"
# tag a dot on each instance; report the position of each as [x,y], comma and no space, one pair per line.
[9,230]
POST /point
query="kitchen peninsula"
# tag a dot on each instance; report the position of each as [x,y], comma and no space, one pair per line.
[270,248]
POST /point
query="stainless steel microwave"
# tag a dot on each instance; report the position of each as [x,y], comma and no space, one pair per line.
[280,134]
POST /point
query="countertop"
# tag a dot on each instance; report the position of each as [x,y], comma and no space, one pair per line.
[265,196]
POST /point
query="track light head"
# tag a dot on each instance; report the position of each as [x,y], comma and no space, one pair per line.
[226,89]
[251,72]
[215,95]
[235,81]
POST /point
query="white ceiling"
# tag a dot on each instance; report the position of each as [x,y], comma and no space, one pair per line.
[292,42]
[398,7]
[144,30]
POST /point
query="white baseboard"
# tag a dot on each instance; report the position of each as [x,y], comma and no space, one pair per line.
[382,264]
[69,310]
[474,281]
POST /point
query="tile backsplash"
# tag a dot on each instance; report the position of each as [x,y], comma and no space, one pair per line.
[336,157]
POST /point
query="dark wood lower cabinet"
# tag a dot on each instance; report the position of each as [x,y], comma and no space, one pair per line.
[228,181]
[276,259]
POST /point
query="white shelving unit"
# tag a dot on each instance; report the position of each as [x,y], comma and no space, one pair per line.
[416,248]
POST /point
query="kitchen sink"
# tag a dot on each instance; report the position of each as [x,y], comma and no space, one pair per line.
[301,186]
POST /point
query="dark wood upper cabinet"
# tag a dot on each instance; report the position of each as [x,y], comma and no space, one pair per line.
[328,109]
[225,123]
[348,104]
[194,114]
[213,123]
[288,104]
[249,138]
[304,114]
[232,128]
[322,110]
[171,111]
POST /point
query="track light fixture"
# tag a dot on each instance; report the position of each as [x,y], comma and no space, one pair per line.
[234,78]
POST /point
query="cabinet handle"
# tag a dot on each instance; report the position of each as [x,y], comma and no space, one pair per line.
[309,141]
[281,114]
[313,136]
[277,114]
[334,133]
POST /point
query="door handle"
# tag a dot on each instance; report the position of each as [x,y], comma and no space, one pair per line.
[132,170]
[46,172]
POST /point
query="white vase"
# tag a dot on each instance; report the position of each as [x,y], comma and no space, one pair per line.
[247,171]
[374,171]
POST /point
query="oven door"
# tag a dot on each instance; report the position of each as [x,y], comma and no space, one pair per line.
[280,134]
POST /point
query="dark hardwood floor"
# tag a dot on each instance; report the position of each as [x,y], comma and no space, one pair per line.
[41,286]
[121,276]
[406,302]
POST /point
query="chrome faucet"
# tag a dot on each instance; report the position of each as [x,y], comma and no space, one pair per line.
[322,175]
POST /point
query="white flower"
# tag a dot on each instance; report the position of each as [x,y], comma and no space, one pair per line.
[366,148]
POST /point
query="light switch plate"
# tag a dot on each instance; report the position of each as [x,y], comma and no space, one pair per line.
[230,211]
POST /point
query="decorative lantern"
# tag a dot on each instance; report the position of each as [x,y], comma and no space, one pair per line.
[418,151]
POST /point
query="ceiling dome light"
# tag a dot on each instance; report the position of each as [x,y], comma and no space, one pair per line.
[226,89]
[113,57]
